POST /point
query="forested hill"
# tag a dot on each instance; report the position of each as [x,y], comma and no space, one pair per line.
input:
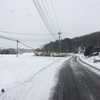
[72,45]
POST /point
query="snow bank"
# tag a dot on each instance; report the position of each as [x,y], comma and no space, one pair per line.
[90,60]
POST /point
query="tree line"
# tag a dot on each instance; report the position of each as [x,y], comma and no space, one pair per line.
[72,45]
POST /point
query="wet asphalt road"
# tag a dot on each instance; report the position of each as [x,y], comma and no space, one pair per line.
[77,82]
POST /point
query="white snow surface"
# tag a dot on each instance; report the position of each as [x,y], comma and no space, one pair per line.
[90,60]
[28,77]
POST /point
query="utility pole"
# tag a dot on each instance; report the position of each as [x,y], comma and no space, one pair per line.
[17,47]
[59,42]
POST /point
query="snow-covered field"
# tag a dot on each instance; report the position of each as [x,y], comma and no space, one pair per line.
[28,77]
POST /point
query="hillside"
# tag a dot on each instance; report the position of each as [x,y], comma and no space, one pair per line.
[72,45]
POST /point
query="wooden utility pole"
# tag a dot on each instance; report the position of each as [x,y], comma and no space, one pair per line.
[17,47]
[59,42]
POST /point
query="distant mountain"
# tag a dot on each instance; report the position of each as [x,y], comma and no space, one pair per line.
[72,45]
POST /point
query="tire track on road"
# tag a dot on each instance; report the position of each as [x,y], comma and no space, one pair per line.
[76,83]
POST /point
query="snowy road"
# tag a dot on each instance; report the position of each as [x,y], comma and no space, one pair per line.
[77,82]
[28,77]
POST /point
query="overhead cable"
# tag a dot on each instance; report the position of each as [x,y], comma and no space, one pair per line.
[48,13]
[23,33]
[55,16]
[85,15]
[43,16]
[25,45]
[4,37]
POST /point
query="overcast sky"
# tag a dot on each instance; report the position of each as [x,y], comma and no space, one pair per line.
[74,18]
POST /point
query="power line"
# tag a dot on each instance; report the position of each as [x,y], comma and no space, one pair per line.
[7,38]
[46,19]
[25,45]
[56,20]
[85,15]
[49,19]
[55,15]
[4,37]
[43,16]
[50,15]
[23,33]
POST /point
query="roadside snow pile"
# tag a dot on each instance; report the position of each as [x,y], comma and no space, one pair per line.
[91,60]
[28,77]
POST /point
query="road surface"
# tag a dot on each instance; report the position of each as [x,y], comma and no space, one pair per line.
[77,82]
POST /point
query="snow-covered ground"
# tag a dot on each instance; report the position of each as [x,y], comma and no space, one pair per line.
[90,60]
[28,77]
